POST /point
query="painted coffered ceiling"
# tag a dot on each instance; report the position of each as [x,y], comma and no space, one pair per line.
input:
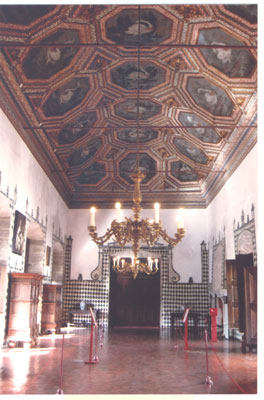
[95,90]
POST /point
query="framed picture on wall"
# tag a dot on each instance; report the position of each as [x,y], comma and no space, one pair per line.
[48,249]
[19,233]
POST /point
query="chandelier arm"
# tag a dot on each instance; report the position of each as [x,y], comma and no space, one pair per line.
[100,240]
[172,241]
[149,233]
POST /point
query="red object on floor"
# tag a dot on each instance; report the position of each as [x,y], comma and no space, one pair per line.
[213,314]
[93,359]
[148,353]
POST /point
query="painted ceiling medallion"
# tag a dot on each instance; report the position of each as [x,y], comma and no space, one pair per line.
[23,14]
[129,76]
[66,97]
[43,62]
[123,28]
[84,153]
[249,12]
[131,108]
[210,97]
[197,127]
[77,129]
[183,172]
[132,135]
[190,151]
[147,165]
[92,174]
[235,63]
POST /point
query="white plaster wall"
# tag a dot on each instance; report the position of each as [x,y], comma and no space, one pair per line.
[19,168]
[186,254]
[239,193]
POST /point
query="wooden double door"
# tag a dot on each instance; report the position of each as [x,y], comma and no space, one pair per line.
[134,302]
[242,298]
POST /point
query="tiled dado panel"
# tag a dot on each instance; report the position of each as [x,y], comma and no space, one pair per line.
[174,295]
[92,292]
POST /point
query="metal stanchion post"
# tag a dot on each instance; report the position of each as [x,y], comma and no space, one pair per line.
[60,391]
[185,320]
[186,347]
[92,360]
[208,380]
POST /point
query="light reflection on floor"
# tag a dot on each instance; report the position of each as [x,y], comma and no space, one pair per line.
[130,362]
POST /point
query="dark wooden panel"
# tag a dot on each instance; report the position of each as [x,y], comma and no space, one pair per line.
[134,302]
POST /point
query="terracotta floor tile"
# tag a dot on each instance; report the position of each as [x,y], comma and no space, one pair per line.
[131,361]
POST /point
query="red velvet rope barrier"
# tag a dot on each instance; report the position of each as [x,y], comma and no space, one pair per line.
[208,379]
[232,379]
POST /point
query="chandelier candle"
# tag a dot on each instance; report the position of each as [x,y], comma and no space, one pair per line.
[93,210]
[118,208]
[156,207]
[180,219]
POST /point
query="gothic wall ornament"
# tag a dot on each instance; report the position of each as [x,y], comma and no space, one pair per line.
[245,235]
[218,266]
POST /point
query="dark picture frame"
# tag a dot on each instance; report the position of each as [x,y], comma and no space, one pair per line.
[48,250]
[19,233]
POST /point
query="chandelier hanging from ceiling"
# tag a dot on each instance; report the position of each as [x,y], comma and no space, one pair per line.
[136,230]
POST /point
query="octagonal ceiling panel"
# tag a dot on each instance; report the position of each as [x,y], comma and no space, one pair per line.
[125,26]
[147,165]
[132,109]
[91,94]
[246,11]
[199,128]
[77,128]
[235,63]
[84,153]
[92,174]
[183,172]
[66,97]
[43,62]
[130,76]
[190,151]
[22,15]
[210,97]
[134,135]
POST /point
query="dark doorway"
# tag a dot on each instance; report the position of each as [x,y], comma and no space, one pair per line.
[242,298]
[134,302]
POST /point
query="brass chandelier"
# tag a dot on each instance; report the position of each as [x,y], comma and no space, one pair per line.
[136,230]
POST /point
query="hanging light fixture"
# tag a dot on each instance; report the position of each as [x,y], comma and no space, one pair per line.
[136,230]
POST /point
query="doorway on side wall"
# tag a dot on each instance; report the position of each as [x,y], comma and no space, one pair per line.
[134,302]
[242,298]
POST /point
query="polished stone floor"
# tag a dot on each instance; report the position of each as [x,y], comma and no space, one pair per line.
[130,361]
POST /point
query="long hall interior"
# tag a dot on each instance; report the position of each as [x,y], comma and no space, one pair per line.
[129,199]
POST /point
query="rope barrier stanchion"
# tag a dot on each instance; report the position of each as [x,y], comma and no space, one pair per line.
[208,380]
[60,391]
[93,359]
[185,321]
[234,382]
[213,314]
